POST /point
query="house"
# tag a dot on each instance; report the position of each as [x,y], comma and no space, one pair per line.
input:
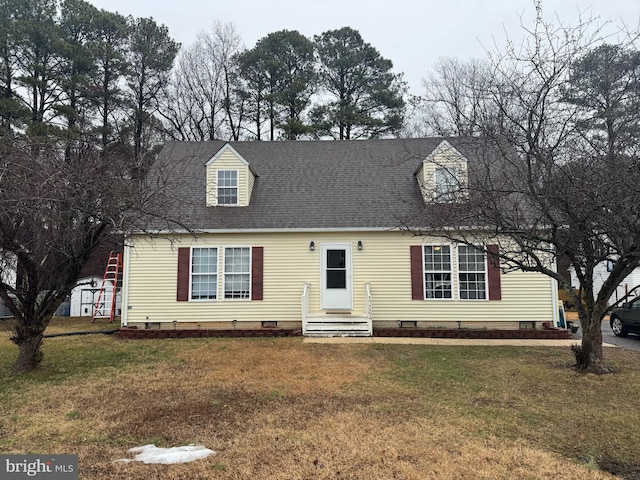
[309,235]
[628,289]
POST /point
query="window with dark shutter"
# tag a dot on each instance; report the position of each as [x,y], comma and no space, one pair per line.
[186,276]
[184,254]
[470,279]
[494,272]
[257,269]
[417,278]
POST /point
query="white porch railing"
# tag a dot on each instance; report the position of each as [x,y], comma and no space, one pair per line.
[323,324]
[305,306]
[368,301]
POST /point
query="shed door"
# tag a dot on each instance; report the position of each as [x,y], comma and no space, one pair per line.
[336,277]
[88,299]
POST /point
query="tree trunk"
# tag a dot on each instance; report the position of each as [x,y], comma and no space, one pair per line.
[29,354]
[590,358]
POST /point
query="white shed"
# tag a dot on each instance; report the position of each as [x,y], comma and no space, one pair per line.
[85,295]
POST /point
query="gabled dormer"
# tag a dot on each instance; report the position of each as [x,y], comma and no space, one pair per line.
[230,179]
[442,176]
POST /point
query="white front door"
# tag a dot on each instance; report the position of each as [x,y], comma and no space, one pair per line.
[336,277]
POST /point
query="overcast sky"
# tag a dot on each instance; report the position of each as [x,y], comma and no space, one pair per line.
[413,34]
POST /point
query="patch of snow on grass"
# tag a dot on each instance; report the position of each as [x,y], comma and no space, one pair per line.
[152,454]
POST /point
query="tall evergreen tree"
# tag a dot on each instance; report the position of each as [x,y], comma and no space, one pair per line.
[109,54]
[290,60]
[366,98]
[279,77]
[150,57]
[12,111]
[40,62]
[255,88]
[77,35]
[605,85]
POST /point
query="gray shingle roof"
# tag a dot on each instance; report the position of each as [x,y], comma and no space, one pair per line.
[308,184]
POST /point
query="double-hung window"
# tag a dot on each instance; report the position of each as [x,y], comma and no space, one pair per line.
[237,272]
[220,272]
[437,271]
[204,273]
[472,273]
[446,184]
[227,187]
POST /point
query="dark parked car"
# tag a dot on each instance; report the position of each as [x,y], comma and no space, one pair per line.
[626,319]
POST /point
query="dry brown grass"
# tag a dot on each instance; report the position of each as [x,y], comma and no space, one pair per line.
[281,409]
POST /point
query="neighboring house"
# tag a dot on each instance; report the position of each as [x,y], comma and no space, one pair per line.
[601,273]
[306,235]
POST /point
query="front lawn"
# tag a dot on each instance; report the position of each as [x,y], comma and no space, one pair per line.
[280,409]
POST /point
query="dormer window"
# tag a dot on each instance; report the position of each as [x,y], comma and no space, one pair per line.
[227,187]
[230,179]
[442,175]
[446,184]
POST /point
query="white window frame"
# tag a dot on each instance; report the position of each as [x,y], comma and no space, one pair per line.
[480,249]
[450,271]
[229,187]
[225,273]
[216,274]
[446,181]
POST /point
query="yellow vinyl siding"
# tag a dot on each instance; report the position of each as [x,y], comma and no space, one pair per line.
[251,180]
[384,263]
[227,160]
[153,277]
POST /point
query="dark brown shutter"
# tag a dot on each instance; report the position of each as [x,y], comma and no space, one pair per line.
[184,256]
[493,272]
[417,279]
[257,272]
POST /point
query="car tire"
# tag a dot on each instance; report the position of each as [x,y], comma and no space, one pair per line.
[618,329]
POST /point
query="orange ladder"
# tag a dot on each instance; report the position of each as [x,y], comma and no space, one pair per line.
[111,275]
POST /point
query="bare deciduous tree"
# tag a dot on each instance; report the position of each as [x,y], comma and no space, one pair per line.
[55,209]
[542,189]
[200,102]
[455,95]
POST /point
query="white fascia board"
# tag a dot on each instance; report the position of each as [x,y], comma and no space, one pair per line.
[266,230]
[303,230]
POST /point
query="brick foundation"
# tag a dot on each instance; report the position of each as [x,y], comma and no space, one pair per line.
[136,333]
[555,333]
[548,333]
